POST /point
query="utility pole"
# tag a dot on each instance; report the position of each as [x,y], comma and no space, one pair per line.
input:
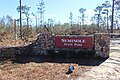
[20,20]
[112,17]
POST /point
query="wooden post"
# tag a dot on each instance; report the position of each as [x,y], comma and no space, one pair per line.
[20,20]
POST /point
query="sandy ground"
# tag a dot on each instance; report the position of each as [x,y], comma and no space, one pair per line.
[44,69]
[56,69]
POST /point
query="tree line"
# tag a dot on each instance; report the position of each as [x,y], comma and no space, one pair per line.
[100,22]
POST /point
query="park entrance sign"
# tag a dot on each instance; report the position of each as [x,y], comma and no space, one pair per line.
[50,44]
[74,42]
[98,42]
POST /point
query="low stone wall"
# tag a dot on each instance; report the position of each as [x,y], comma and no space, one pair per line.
[42,44]
[12,52]
[6,53]
[39,47]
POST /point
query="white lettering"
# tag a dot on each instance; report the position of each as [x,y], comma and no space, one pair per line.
[68,44]
[73,40]
[63,40]
[75,44]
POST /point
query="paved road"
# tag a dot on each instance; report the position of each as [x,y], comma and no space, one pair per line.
[108,70]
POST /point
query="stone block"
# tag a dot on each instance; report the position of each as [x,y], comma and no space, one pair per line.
[102,44]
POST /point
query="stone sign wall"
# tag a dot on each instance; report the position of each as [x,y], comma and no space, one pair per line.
[46,41]
[101,43]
